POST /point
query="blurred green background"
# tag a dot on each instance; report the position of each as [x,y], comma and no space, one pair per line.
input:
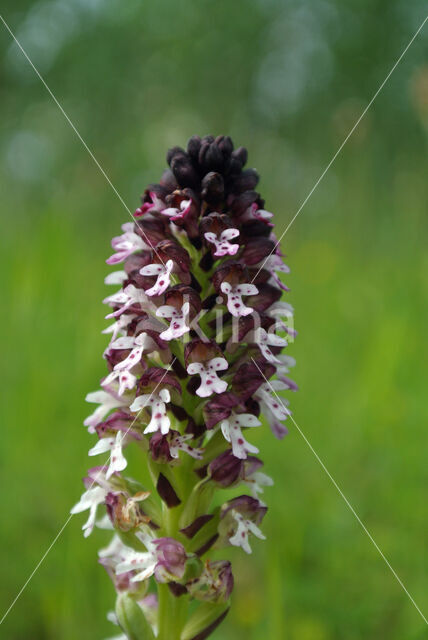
[288,79]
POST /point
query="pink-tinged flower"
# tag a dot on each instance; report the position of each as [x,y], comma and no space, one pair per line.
[142,343]
[274,410]
[126,244]
[107,402]
[231,429]
[234,295]
[273,264]
[279,310]
[210,382]
[179,318]
[129,297]
[163,273]
[165,448]
[154,203]
[179,443]
[126,380]
[222,245]
[178,213]
[263,340]
[143,563]
[254,213]
[171,559]
[119,326]
[165,558]
[156,401]
[117,461]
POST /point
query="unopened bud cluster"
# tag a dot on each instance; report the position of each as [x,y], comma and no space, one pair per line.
[194,362]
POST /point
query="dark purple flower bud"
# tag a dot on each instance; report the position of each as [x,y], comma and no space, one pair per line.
[193,146]
[219,408]
[256,250]
[179,294]
[183,170]
[156,377]
[241,154]
[151,230]
[246,181]
[117,421]
[249,378]
[199,351]
[159,448]
[213,188]
[226,470]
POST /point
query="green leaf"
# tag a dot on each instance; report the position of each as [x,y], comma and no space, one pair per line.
[203,622]
[132,619]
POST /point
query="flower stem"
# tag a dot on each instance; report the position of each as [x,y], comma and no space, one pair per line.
[172,614]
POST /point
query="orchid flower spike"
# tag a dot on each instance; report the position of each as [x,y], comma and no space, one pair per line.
[195,363]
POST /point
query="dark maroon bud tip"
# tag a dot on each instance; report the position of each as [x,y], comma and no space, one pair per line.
[177,589]
[193,147]
[213,188]
[173,153]
[241,154]
[166,492]
[191,530]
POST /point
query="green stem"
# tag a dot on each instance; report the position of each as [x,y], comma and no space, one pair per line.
[172,614]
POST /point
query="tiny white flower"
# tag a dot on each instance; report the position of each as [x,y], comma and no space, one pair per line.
[117,461]
[91,500]
[271,403]
[142,561]
[116,277]
[127,298]
[256,482]
[140,344]
[159,418]
[210,382]
[231,429]
[240,538]
[179,443]
[126,380]
[234,297]
[126,244]
[118,326]
[107,401]
[163,273]
[180,212]
[264,339]
[178,325]
[222,244]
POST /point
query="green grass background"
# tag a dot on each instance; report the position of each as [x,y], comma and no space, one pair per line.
[137,78]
